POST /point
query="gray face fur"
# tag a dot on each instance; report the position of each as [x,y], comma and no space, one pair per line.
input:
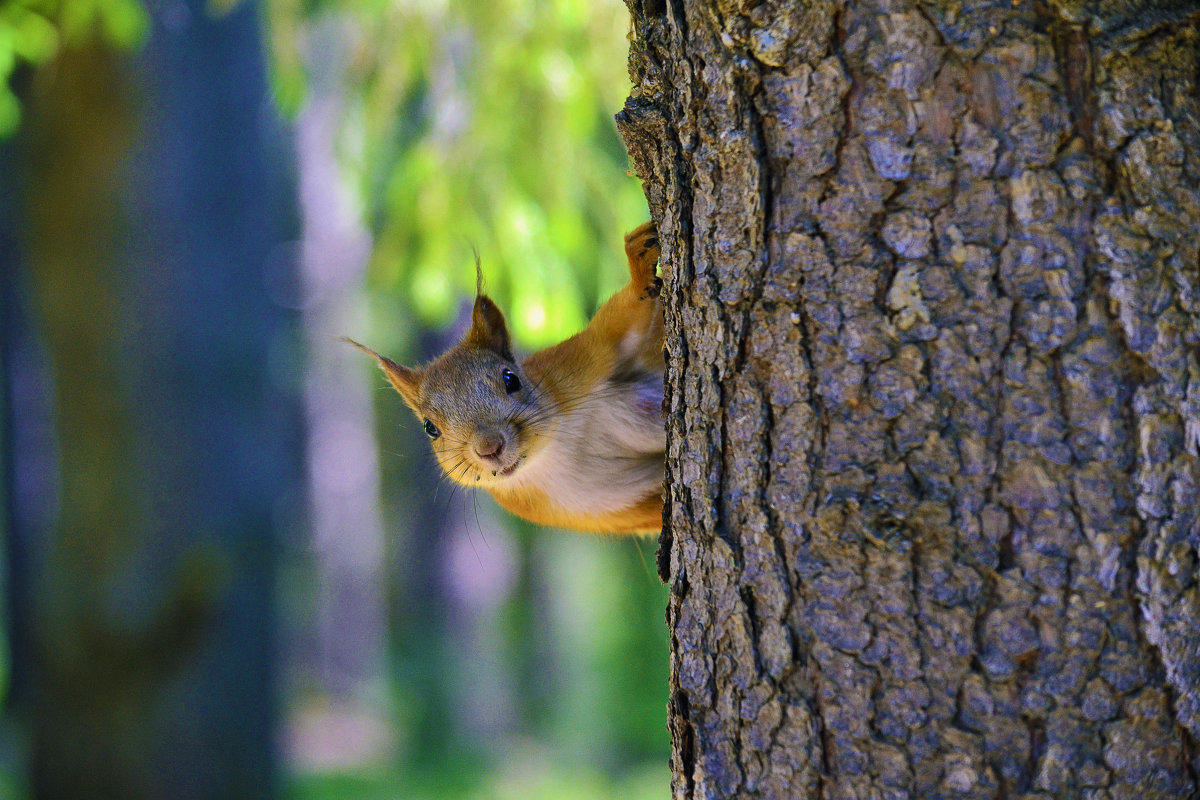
[486,430]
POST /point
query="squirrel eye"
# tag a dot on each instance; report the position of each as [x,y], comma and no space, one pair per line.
[511,382]
[432,430]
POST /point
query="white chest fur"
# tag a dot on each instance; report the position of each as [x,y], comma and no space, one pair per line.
[605,454]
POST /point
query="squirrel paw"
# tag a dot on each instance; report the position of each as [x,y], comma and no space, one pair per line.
[653,289]
[642,250]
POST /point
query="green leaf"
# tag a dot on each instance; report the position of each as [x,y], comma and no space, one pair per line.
[124,22]
[33,37]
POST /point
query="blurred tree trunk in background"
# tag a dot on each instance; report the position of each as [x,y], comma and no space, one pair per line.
[156,197]
[933,314]
[345,525]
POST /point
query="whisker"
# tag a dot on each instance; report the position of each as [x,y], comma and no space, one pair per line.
[467,528]
[478,526]
[645,564]
[454,488]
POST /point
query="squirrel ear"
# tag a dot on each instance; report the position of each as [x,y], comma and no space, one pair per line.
[488,329]
[406,381]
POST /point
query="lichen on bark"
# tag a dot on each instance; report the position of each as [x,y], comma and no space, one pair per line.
[933,310]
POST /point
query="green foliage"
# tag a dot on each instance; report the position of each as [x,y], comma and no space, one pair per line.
[32,31]
[486,125]
[527,775]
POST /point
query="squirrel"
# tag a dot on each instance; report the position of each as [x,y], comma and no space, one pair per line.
[572,436]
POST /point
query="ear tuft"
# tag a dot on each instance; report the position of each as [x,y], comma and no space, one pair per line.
[404,380]
[478,273]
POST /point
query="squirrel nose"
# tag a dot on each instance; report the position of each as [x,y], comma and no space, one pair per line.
[488,446]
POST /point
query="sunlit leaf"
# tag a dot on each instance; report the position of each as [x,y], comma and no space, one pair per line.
[125,22]
[32,36]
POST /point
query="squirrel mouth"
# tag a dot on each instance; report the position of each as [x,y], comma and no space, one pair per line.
[509,470]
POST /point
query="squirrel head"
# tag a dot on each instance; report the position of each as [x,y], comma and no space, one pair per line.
[483,414]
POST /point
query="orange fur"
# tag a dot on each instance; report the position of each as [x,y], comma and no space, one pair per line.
[535,506]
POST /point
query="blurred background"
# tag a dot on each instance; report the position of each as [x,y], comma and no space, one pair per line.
[229,566]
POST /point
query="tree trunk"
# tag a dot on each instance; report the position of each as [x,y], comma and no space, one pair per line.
[933,309]
[147,493]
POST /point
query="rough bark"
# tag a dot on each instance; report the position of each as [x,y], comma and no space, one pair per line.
[933,291]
